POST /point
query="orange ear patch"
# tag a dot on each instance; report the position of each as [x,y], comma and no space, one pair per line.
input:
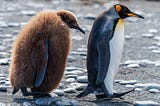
[118,8]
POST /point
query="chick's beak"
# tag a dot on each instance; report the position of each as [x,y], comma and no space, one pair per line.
[78,28]
[131,14]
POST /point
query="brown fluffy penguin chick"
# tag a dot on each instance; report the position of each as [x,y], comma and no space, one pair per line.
[40,52]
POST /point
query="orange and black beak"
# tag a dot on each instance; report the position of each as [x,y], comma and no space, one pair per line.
[131,14]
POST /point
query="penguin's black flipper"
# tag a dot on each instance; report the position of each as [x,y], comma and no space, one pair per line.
[40,74]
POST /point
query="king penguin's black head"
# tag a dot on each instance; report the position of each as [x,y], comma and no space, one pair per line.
[124,12]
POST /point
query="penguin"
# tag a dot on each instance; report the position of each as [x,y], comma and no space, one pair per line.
[40,51]
[104,51]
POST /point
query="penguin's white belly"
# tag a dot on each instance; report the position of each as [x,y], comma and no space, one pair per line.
[116,48]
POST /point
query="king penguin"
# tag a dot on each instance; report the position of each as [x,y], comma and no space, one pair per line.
[40,52]
[104,51]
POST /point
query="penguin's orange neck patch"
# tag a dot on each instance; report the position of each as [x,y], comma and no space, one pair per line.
[118,8]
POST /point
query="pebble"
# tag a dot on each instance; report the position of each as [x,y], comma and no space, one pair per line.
[3,25]
[154,90]
[82,79]
[80,87]
[152,47]
[29,13]
[156,51]
[45,101]
[152,86]
[90,16]
[127,62]
[71,59]
[138,90]
[131,82]
[75,72]
[27,104]
[133,65]
[71,76]
[66,102]
[149,35]
[3,88]
[71,68]
[4,61]
[82,49]
[13,24]
[153,31]
[157,38]
[71,80]
[146,103]
[69,90]
[130,86]
[58,92]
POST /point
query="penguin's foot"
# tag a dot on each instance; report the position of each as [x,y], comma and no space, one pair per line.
[115,95]
[15,90]
[25,92]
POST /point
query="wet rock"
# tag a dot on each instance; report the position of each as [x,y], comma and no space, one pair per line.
[66,102]
[71,59]
[75,72]
[45,101]
[149,35]
[71,76]
[146,61]
[13,24]
[152,47]
[69,90]
[80,87]
[29,13]
[82,49]
[71,68]
[156,51]
[2,81]
[154,90]
[90,16]
[131,82]
[146,103]
[133,66]
[157,38]
[3,88]
[130,86]
[152,86]
[27,104]
[127,62]
[82,79]
[128,37]
[70,80]
[153,31]
[3,25]
[58,92]
[138,90]
[4,61]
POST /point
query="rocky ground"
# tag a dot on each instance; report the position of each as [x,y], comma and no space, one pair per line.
[139,67]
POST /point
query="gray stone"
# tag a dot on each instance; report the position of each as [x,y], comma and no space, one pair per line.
[130,86]
[157,38]
[133,65]
[67,102]
[69,90]
[70,80]
[58,92]
[29,13]
[149,35]
[71,59]
[13,24]
[71,68]
[27,104]
[82,79]
[138,90]
[3,88]
[131,82]
[4,61]
[154,90]
[156,51]
[152,86]
[3,25]
[75,72]
[146,103]
[153,31]
[71,76]
[82,49]
[90,16]
[80,87]
[127,62]
[45,101]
